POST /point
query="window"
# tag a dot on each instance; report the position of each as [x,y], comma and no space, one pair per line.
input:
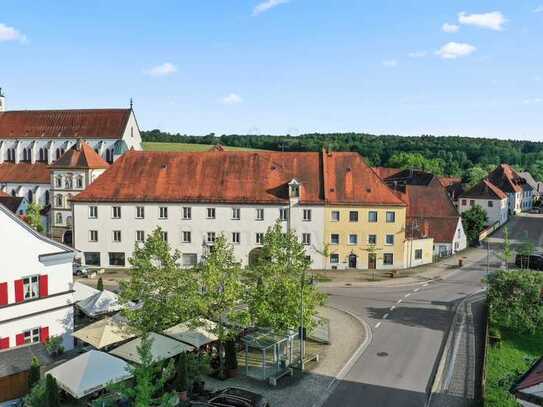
[372,217]
[79,182]
[140,236]
[116,235]
[140,212]
[463,202]
[353,239]
[236,213]
[306,238]
[92,258]
[388,259]
[211,213]
[31,287]
[235,237]
[68,183]
[335,216]
[93,212]
[260,214]
[164,236]
[93,235]
[32,335]
[334,238]
[60,201]
[116,259]
[389,239]
[58,182]
[186,237]
[210,237]
[391,217]
[189,259]
[116,212]
[353,216]
[334,258]
[259,238]
[372,239]
[490,204]
[58,218]
[471,202]
[418,254]
[163,212]
[187,213]
[307,215]
[283,214]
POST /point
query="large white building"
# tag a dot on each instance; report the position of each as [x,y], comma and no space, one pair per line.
[36,285]
[490,198]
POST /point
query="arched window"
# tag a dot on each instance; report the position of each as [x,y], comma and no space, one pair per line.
[13,192]
[45,154]
[109,158]
[69,201]
[30,196]
[69,182]
[58,219]
[27,154]
[41,154]
[59,201]
[11,155]
[47,198]
[80,181]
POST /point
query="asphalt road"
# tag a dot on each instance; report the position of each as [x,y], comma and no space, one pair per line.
[409,325]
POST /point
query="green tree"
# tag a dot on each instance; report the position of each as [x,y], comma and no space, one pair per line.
[37,396]
[526,249]
[515,299]
[474,221]
[277,281]
[475,175]
[52,391]
[34,375]
[33,216]
[220,276]
[100,284]
[166,293]
[507,253]
[417,161]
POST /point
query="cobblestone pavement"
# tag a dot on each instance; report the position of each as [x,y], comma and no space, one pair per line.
[346,335]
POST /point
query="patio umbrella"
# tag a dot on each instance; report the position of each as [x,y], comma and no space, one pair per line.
[197,336]
[89,372]
[162,348]
[83,291]
[101,303]
[106,332]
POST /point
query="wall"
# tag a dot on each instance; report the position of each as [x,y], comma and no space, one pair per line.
[427,252]
[38,190]
[497,213]
[363,229]
[131,135]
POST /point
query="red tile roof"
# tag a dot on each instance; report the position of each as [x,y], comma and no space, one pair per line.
[24,173]
[533,377]
[442,230]
[385,172]
[448,181]
[239,177]
[506,179]
[81,155]
[484,190]
[84,123]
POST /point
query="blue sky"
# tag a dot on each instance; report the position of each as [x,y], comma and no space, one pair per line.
[472,68]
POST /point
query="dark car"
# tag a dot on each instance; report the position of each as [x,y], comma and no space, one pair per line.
[234,397]
[533,262]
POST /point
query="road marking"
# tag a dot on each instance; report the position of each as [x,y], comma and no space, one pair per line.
[426,284]
[393,308]
[399,301]
[385,316]
[377,325]
[407,295]
[416,290]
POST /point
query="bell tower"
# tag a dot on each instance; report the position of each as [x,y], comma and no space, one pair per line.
[2,102]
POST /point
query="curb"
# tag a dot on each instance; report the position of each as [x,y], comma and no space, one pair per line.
[354,357]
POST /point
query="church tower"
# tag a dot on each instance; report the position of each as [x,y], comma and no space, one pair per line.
[2,102]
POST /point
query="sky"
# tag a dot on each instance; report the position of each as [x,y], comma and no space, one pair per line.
[410,67]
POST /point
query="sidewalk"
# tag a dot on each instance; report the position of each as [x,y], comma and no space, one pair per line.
[435,271]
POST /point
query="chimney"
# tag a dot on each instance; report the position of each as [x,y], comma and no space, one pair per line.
[2,101]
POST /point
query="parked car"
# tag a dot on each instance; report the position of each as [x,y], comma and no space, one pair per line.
[533,262]
[233,397]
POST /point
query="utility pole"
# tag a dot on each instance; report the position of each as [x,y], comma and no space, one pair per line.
[302,335]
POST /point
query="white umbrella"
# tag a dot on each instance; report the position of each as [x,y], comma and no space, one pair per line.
[83,291]
[103,302]
[89,372]
[105,332]
[197,336]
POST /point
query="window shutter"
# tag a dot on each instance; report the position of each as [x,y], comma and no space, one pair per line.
[3,294]
[44,286]
[4,343]
[20,339]
[44,334]
[19,291]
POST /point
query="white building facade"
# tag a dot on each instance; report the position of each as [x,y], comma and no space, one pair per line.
[490,198]
[36,286]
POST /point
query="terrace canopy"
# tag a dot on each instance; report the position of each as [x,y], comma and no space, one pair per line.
[105,332]
[83,291]
[197,336]
[102,303]
[162,348]
[89,372]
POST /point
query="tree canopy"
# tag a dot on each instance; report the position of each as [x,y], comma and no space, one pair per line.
[474,221]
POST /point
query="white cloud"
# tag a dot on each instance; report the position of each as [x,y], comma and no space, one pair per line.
[231,99]
[532,101]
[417,54]
[453,50]
[450,28]
[267,5]
[390,63]
[539,9]
[493,20]
[164,69]
[8,33]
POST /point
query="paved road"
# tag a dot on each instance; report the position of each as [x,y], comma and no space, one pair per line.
[523,227]
[409,326]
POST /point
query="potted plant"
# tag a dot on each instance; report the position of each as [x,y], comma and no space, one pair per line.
[54,346]
[230,359]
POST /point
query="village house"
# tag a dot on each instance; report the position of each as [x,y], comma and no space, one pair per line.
[490,198]
[519,192]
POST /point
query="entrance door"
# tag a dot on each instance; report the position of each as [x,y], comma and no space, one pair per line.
[352,261]
[372,261]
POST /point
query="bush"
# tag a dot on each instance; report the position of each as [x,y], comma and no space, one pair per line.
[51,388]
[34,375]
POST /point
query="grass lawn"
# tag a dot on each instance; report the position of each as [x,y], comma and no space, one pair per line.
[148,146]
[506,362]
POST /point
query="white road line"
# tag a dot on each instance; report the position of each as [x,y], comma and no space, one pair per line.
[377,325]
[399,301]
[385,316]
[416,290]
[426,284]
[407,295]
[393,308]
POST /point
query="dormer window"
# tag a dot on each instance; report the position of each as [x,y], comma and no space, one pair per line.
[294,189]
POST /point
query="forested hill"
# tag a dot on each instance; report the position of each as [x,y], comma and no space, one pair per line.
[454,156]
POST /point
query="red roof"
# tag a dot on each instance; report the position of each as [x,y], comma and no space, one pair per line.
[532,378]
[506,179]
[84,123]
[239,177]
[484,190]
[385,172]
[24,173]
[81,155]
[442,230]
[448,181]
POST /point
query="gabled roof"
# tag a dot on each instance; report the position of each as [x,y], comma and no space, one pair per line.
[484,190]
[239,177]
[530,386]
[10,202]
[81,123]
[24,173]
[410,177]
[442,230]
[507,179]
[81,156]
